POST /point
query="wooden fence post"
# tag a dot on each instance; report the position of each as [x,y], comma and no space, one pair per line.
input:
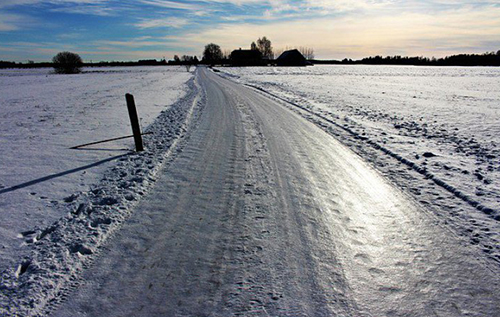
[134,121]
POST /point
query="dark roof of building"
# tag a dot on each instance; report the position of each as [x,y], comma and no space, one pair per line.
[246,57]
[237,54]
[291,58]
[291,54]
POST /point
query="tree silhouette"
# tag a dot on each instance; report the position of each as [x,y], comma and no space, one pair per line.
[212,53]
[189,61]
[226,54]
[264,46]
[307,52]
[67,63]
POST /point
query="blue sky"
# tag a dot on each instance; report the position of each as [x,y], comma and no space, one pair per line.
[130,30]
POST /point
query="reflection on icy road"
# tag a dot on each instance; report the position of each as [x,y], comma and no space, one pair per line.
[263,213]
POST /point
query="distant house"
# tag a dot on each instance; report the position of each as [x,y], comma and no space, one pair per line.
[291,58]
[246,58]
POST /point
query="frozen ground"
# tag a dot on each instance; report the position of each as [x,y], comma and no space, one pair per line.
[43,115]
[442,123]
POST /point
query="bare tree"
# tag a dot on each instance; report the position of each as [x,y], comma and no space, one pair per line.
[226,54]
[307,52]
[187,61]
[278,52]
[264,46]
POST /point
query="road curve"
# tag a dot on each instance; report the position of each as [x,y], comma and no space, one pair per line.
[264,214]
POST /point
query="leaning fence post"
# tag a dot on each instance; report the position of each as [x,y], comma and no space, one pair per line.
[134,121]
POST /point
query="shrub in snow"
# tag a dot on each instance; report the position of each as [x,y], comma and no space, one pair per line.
[67,63]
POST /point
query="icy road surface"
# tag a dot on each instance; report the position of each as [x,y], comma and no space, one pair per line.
[263,213]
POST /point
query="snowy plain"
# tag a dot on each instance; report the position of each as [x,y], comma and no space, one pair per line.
[440,123]
[43,181]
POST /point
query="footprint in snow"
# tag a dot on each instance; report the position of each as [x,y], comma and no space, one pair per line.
[363,258]
[375,271]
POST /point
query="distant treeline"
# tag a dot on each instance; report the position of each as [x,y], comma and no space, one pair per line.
[145,62]
[486,59]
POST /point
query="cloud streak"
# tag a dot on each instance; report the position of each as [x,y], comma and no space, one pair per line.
[11,3]
[171,4]
[170,22]
[9,22]
[85,9]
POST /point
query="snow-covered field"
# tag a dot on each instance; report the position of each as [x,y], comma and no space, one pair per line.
[58,205]
[442,124]
[43,114]
[434,132]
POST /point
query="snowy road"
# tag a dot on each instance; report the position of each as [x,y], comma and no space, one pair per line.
[264,214]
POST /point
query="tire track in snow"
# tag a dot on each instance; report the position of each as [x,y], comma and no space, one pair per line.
[291,265]
[421,170]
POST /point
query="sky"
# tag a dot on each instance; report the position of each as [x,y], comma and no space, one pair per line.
[123,30]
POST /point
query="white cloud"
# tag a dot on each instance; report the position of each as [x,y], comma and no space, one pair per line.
[171,22]
[201,4]
[239,2]
[346,5]
[171,4]
[85,9]
[198,10]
